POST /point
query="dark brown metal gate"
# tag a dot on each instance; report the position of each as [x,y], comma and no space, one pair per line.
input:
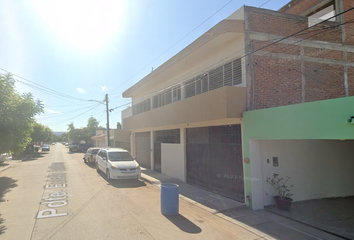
[214,160]
[142,148]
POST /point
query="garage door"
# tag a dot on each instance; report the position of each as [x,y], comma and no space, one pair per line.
[214,160]
[142,143]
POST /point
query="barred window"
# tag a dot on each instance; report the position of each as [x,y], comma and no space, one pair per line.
[189,88]
[216,78]
[176,92]
[168,96]
[236,72]
[229,74]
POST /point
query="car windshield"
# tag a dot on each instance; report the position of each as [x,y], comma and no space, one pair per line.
[95,151]
[120,156]
[45,145]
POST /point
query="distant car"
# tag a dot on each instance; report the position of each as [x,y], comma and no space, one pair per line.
[5,157]
[45,148]
[66,144]
[53,143]
[73,148]
[36,147]
[117,163]
[90,155]
[82,147]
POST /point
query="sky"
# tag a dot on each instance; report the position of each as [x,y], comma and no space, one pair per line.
[71,53]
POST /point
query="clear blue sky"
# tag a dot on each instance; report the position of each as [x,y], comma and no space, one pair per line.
[85,48]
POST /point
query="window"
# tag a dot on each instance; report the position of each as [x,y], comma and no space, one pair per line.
[120,156]
[176,94]
[322,13]
[189,88]
[229,74]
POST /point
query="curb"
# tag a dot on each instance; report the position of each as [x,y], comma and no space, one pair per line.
[217,213]
[7,167]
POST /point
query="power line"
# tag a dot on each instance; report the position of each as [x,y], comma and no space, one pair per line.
[147,65]
[286,37]
[78,115]
[42,88]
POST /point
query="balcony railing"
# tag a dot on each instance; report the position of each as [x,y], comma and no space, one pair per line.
[229,74]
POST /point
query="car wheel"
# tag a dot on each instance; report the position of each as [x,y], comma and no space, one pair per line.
[85,160]
[108,177]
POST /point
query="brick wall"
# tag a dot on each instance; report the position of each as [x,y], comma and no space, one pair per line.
[349,28]
[303,68]
[351,80]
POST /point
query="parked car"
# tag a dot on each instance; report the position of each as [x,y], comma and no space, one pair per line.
[45,147]
[82,147]
[73,148]
[117,163]
[90,155]
[5,157]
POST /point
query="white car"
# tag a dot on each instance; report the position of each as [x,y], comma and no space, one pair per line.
[117,163]
[90,155]
[5,157]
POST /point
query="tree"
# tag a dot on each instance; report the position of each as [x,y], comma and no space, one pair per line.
[17,113]
[92,125]
[84,134]
[41,133]
[119,126]
[74,134]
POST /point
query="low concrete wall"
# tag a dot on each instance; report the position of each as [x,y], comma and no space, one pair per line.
[172,160]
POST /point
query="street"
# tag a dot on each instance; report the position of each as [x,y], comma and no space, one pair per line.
[58,196]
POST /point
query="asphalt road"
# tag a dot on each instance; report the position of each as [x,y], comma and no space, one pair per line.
[58,196]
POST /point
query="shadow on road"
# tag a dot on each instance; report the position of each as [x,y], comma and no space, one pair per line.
[75,152]
[184,224]
[2,227]
[123,183]
[4,164]
[5,185]
[35,156]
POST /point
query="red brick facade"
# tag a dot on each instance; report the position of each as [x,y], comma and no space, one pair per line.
[309,66]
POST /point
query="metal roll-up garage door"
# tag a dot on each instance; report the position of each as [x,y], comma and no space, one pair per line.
[214,160]
[142,146]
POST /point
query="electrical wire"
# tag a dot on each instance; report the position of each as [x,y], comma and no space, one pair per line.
[149,64]
[43,88]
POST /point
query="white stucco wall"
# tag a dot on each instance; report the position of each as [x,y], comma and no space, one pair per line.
[318,168]
[172,160]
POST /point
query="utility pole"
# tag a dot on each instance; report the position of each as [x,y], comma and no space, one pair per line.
[106,99]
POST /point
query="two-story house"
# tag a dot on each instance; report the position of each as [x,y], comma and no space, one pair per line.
[188,118]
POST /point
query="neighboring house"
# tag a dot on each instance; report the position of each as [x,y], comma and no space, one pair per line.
[188,115]
[118,138]
[100,139]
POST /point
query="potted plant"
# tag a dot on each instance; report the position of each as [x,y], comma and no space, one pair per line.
[283,200]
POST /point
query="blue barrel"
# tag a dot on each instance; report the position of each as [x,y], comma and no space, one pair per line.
[169,199]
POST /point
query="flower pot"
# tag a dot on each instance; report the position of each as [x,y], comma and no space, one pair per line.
[283,204]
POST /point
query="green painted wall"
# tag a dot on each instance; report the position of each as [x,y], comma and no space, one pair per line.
[315,120]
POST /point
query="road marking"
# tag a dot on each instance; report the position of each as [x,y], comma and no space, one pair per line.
[56,180]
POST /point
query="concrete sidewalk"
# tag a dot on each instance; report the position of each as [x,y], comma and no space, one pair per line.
[238,213]
[7,164]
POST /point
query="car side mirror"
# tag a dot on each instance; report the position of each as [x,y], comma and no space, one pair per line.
[104,158]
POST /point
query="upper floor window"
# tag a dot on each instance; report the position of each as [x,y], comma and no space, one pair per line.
[322,13]
[229,74]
